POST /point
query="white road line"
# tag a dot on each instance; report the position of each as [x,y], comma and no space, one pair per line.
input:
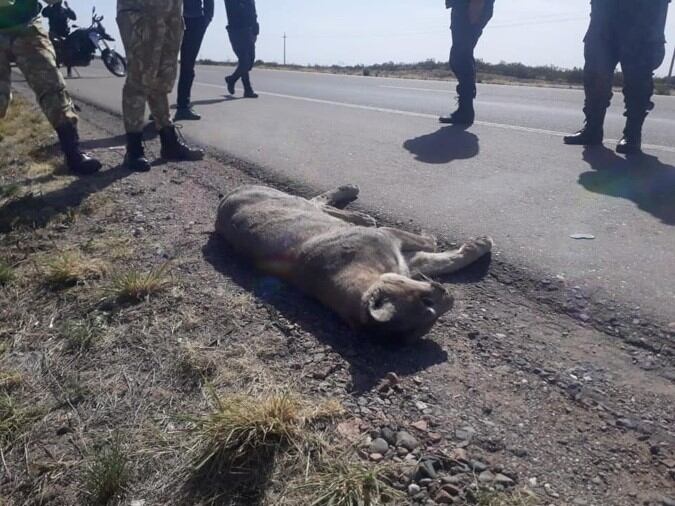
[413,114]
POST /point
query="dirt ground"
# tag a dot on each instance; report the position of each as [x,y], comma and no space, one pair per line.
[528,392]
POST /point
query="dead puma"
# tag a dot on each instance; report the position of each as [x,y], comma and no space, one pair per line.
[363,273]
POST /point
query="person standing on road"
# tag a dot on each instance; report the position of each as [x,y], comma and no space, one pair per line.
[630,32]
[197,15]
[22,39]
[152,32]
[58,15]
[468,19]
[243,30]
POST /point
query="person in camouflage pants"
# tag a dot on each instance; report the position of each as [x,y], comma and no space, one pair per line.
[23,39]
[152,32]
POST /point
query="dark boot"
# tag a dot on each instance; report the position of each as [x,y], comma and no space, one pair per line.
[230,82]
[135,158]
[631,142]
[174,147]
[248,89]
[464,115]
[591,134]
[76,161]
[186,113]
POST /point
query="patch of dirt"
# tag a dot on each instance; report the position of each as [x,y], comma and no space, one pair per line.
[508,393]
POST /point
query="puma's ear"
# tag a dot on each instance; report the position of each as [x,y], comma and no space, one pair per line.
[380,309]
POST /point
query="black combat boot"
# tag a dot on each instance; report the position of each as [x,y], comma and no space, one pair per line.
[248,89]
[230,82]
[77,162]
[591,134]
[135,158]
[174,147]
[464,115]
[631,142]
[186,113]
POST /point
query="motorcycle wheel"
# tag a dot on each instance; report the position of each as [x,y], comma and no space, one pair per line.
[114,62]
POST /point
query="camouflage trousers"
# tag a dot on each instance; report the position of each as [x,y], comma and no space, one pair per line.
[34,54]
[152,32]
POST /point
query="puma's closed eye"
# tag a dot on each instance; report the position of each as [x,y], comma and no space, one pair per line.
[428,302]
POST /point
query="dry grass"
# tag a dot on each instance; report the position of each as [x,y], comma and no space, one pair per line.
[7,274]
[136,286]
[195,366]
[80,335]
[114,248]
[342,483]
[9,380]
[9,191]
[240,426]
[70,268]
[23,128]
[21,131]
[241,440]
[108,475]
[517,498]
[15,419]
[94,203]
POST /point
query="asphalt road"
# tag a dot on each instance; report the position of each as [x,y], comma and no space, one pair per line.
[508,176]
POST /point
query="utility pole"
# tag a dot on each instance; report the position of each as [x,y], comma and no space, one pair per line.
[670,74]
[284,37]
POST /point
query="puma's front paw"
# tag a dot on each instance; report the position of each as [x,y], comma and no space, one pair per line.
[478,246]
[365,220]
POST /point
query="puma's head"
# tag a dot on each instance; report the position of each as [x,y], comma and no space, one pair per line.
[398,307]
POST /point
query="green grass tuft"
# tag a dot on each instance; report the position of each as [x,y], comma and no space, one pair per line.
[80,335]
[108,475]
[135,286]
[6,274]
[15,420]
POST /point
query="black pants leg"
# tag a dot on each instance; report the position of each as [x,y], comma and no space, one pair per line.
[465,37]
[601,58]
[641,52]
[243,45]
[195,29]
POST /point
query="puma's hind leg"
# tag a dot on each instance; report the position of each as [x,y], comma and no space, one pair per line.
[339,197]
[447,262]
[334,201]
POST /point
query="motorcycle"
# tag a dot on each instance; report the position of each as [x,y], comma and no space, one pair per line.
[81,45]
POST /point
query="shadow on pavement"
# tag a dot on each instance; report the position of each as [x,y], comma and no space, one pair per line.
[211,101]
[642,179]
[443,146]
[369,362]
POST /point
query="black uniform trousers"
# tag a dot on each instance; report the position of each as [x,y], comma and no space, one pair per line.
[629,32]
[195,29]
[243,44]
[465,37]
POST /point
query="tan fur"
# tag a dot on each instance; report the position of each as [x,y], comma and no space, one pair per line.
[363,273]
